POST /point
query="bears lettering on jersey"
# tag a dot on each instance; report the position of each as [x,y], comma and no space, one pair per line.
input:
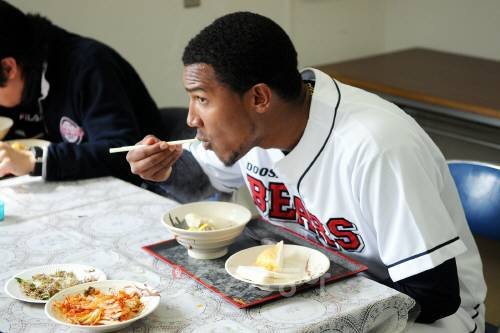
[258,193]
[346,234]
[278,204]
[281,208]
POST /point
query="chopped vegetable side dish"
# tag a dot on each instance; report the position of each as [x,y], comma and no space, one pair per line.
[93,307]
[44,286]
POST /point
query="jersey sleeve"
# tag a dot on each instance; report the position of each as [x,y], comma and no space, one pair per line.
[223,178]
[402,193]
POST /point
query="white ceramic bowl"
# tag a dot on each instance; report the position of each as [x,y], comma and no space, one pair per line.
[150,304]
[5,125]
[229,220]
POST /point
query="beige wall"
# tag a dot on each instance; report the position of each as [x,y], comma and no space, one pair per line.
[151,34]
[469,27]
[333,30]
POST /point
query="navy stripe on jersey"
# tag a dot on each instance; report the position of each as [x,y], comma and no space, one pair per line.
[475,328]
[324,143]
[475,315]
[424,253]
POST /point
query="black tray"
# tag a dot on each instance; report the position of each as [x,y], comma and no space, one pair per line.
[212,274]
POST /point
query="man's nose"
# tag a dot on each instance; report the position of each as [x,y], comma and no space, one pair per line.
[192,119]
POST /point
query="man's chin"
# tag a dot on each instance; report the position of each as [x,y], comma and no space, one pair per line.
[233,158]
[228,159]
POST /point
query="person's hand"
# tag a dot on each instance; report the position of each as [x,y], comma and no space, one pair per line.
[153,162]
[16,162]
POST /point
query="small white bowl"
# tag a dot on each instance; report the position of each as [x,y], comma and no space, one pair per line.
[5,125]
[106,286]
[229,220]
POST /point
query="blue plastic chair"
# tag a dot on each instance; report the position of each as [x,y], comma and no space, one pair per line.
[478,185]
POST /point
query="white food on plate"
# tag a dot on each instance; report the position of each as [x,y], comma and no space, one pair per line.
[270,266]
[271,259]
[261,275]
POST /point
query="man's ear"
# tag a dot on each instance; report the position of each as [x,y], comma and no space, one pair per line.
[10,68]
[260,97]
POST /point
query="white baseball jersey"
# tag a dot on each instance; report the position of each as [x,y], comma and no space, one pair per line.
[364,179]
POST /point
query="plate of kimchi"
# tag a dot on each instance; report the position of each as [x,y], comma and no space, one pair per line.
[102,306]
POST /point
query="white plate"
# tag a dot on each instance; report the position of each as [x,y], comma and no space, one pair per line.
[294,256]
[31,142]
[108,286]
[82,272]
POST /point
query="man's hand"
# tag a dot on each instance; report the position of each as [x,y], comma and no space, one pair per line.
[153,162]
[16,162]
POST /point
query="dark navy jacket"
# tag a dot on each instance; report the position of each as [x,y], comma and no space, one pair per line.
[95,101]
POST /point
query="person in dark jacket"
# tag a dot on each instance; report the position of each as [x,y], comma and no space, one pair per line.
[73,91]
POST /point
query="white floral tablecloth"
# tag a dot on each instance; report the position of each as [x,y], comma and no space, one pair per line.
[104,222]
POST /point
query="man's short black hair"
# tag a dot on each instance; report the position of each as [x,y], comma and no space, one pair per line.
[245,49]
[24,38]
[14,32]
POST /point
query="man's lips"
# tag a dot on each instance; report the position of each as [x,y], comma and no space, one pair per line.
[205,142]
[202,139]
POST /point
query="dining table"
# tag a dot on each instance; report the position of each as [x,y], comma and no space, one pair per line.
[106,222]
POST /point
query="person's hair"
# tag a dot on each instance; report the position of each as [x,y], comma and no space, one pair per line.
[3,76]
[24,38]
[245,49]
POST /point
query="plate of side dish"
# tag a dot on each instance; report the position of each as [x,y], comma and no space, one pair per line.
[38,284]
[102,306]
[277,267]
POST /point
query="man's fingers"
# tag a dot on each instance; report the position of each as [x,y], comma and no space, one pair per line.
[159,170]
[149,161]
[168,162]
[156,173]
[5,167]
[149,140]
[3,148]
[142,153]
[142,166]
[153,164]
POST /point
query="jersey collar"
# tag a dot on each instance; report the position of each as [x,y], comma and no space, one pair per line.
[319,129]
